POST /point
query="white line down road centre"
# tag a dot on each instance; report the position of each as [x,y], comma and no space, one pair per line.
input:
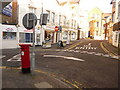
[65,57]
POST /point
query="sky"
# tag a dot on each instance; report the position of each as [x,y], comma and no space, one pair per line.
[104,5]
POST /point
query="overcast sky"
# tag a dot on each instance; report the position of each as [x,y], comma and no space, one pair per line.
[104,5]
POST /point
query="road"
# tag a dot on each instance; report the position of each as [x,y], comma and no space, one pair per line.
[83,65]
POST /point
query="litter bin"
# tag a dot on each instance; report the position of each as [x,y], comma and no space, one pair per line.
[25,58]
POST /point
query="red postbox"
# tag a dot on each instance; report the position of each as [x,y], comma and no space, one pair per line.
[25,58]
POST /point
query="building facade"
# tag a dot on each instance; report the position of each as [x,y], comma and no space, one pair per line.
[95,23]
[116,21]
[59,14]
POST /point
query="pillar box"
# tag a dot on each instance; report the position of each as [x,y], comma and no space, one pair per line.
[25,58]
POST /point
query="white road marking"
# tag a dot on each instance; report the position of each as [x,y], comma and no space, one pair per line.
[94,53]
[65,57]
[106,55]
[90,52]
[77,48]
[15,58]
[98,54]
[89,46]
[116,57]
[2,57]
[95,48]
[76,51]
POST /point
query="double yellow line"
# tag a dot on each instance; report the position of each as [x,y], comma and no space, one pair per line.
[72,46]
[108,51]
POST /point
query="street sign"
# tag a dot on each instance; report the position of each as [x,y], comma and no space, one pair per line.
[29,20]
[43,19]
[60,28]
[56,28]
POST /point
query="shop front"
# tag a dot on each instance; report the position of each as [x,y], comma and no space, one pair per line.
[50,34]
[26,36]
[9,36]
[73,34]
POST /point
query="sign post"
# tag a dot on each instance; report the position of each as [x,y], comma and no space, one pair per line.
[29,22]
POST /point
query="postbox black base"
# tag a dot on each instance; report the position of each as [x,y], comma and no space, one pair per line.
[26,70]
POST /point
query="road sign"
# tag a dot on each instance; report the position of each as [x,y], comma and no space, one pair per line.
[56,28]
[60,28]
[43,19]
[28,20]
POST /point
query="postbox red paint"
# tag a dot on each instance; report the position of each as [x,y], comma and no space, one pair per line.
[25,58]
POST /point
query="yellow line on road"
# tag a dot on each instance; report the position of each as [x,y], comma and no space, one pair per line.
[72,46]
[106,50]
[53,75]
[40,71]
[71,83]
[5,67]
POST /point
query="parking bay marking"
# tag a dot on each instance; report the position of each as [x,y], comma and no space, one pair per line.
[65,57]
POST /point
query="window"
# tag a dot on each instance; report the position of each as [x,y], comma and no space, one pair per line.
[64,20]
[68,23]
[53,17]
[32,10]
[97,15]
[59,19]
[97,24]
[113,17]
[9,35]
[48,19]
[119,12]
[96,33]
[10,13]
[74,24]
[65,35]
[116,37]
[73,35]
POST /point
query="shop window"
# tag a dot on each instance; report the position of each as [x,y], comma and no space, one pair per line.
[26,38]
[73,35]
[65,35]
[9,35]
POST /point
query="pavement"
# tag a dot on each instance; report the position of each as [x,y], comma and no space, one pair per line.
[13,77]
